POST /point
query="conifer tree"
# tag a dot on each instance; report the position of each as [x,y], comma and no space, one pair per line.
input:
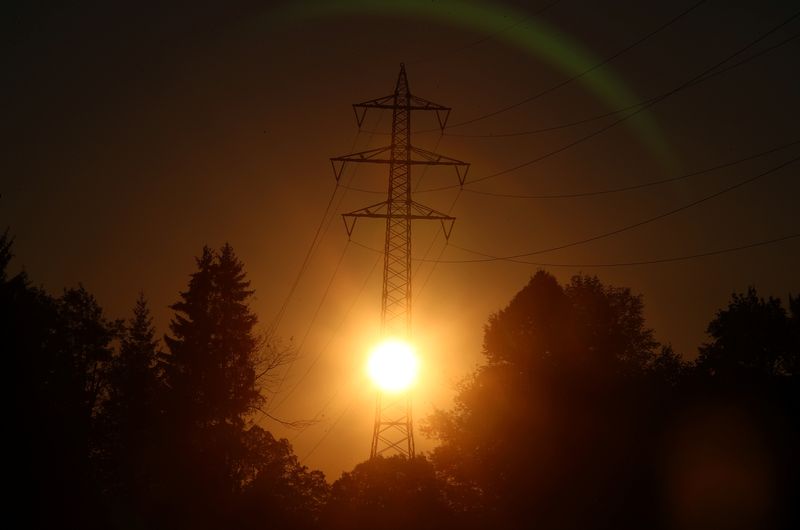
[211,382]
[213,346]
[132,412]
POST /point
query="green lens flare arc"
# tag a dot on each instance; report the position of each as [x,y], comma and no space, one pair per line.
[534,37]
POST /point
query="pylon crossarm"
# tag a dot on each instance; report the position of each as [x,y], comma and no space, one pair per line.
[418,103]
[413,217]
[388,102]
[420,211]
[363,156]
[424,212]
[435,159]
[383,102]
[360,109]
[370,155]
[374,210]
[419,157]
[430,156]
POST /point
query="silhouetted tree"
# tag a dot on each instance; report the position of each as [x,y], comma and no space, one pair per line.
[27,323]
[791,361]
[214,347]
[275,486]
[132,417]
[5,255]
[58,350]
[737,424]
[128,436]
[752,334]
[73,391]
[389,493]
[210,372]
[553,429]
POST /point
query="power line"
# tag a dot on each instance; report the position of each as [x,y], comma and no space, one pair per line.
[328,432]
[311,325]
[624,118]
[347,313]
[317,416]
[333,334]
[643,222]
[569,80]
[489,257]
[313,320]
[286,372]
[647,104]
[637,186]
[441,252]
[582,121]
[585,72]
[635,109]
[330,340]
[640,262]
[303,266]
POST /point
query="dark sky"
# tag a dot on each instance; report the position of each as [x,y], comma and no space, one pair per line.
[135,135]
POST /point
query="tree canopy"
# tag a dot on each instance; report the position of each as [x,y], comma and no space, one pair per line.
[754,334]
[577,418]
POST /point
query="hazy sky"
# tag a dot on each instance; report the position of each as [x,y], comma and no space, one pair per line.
[135,135]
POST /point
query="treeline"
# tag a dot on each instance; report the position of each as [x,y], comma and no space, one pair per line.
[112,431]
[577,418]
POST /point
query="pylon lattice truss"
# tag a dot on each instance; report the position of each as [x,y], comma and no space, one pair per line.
[393,429]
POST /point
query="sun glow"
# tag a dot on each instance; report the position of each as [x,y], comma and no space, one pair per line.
[393,365]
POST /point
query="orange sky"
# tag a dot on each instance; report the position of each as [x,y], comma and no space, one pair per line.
[134,138]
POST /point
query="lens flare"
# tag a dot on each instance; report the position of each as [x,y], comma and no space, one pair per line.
[393,365]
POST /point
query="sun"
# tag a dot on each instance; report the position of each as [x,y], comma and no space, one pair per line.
[393,365]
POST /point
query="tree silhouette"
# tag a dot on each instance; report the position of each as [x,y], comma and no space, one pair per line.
[214,349]
[388,493]
[132,415]
[28,321]
[276,487]
[752,334]
[791,361]
[111,432]
[210,373]
[578,418]
[553,429]
[59,350]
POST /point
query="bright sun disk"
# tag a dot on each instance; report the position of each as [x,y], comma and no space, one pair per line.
[393,365]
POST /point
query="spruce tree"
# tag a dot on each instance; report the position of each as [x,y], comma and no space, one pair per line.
[213,346]
[210,377]
[132,412]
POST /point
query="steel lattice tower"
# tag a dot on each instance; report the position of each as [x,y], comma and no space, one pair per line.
[393,429]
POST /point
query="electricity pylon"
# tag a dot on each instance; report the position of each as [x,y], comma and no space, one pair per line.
[393,429]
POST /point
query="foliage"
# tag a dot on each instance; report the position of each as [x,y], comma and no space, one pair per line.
[578,418]
[553,413]
[753,334]
[388,493]
[113,432]
[213,350]
[275,486]
[59,350]
[132,415]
